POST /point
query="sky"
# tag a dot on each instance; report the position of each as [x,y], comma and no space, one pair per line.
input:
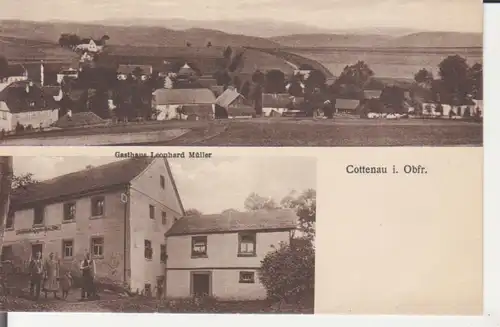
[442,15]
[208,185]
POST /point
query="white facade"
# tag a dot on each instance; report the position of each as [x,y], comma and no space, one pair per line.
[223,267]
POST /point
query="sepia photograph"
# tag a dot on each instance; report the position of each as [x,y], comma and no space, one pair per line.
[105,234]
[261,73]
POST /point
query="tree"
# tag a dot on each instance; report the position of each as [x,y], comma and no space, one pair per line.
[256,202]
[476,78]
[209,44]
[316,80]
[304,205]
[4,67]
[105,38]
[236,62]
[188,44]
[245,89]
[228,52]
[295,88]
[288,272]
[23,180]
[6,177]
[222,77]
[358,74]
[275,81]
[258,77]
[393,98]
[193,212]
[229,211]
[454,73]
[423,76]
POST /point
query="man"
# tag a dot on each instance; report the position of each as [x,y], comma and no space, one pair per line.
[88,272]
[36,275]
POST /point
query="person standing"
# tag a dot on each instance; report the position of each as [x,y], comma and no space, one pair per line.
[88,272]
[51,276]
[36,275]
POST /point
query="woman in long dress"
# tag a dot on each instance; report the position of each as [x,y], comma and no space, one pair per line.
[51,276]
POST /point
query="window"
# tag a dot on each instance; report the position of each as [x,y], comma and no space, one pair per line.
[199,246]
[151,211]
[97,206]
[97,245]
[39,216]
[163,217]
[247,277]
[7,253]
[9,222]
[69,211]
[67,249]
[148,250]
[162,181]
[246,246]
[163,253]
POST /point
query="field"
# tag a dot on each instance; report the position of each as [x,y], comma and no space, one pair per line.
[399,63]
[341,131]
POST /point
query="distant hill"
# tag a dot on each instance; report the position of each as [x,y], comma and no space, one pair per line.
[136,35]
[330,40]
[253,27]
[438,40]
[420,39]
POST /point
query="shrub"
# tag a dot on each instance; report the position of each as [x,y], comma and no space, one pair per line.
[288,272]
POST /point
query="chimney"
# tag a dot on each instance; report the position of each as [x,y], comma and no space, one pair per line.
[42,73]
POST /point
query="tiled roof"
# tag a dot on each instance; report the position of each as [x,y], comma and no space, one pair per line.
[18,100]
[92,179]
[183,96]
[235,221]
[372,94]
[276,100]
[227,97]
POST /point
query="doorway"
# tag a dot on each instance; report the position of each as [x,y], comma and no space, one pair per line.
[201,283]
[35,248]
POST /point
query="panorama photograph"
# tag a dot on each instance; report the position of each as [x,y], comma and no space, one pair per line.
[260,73]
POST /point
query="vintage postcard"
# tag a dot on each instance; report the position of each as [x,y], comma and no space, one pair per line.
[243,73]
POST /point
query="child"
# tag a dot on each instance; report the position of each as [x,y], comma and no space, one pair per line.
[66,282]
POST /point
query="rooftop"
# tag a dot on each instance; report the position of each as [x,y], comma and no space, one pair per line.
[282,219]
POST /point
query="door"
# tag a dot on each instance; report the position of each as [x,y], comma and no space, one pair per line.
[200,283]
[35,248]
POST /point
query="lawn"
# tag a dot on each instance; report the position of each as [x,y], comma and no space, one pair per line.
[347,132]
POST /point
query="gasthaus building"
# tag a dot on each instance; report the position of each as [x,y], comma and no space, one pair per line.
[118,212]
[129,216]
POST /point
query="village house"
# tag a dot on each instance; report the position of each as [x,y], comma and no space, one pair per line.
[70,73]
[275,104]
[372,94]
[187,73]
[184,104]
[349,106]
[220,255]
[118,212]
[144,71]
[231,104]
[90,45]
[28,104]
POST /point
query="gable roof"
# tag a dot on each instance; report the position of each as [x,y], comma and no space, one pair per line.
[282,219]
[372,94]
[17,70]
[207,82]
[183,96]
[18,100]
[281,100]
[93,179]
[227,97]
[129,69]
[79,119]
[186,70]
[348,104]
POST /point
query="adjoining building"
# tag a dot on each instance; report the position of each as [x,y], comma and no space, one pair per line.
[118,212]
[184,104]
[220,255]
[26,103]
